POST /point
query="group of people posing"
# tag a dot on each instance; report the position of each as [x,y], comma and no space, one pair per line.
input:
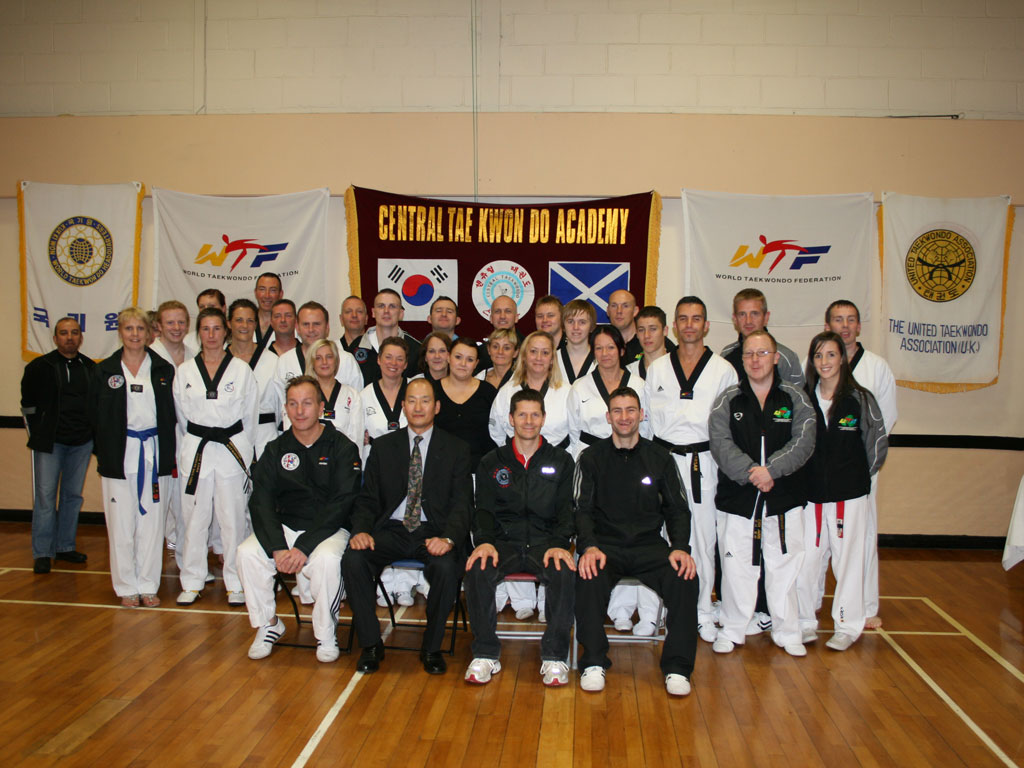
[579,454]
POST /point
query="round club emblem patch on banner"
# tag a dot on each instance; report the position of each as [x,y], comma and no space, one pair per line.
[290,461]
[502,278]
[81,250]
[941,265]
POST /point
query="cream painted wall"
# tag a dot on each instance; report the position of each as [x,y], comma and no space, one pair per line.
[573,155]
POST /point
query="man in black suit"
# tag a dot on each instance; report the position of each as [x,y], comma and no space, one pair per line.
[415,503]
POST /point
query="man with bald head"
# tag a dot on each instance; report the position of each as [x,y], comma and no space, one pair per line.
[622,312]
[504,313]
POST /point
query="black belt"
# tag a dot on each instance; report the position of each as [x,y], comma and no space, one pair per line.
[589,439]
[268,418]
[759,507]
[689,450]
[207,435]
[564,444]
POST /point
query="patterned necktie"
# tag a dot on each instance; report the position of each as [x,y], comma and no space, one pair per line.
[411,521]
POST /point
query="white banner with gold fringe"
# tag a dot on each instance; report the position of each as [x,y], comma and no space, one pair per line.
[79,258]
[944,282]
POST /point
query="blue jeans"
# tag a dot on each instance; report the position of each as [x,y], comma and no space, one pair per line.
[54,524]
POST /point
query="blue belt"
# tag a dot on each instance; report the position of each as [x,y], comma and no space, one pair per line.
[142,435]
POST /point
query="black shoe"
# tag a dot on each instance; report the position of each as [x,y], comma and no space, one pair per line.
[369,659]
[41,565]
[433,662]
[74,556]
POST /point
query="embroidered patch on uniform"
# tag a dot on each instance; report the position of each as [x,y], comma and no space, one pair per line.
[361,355]
[115,382]
[290,461]
[738,416]
[782,414]
[848,423]
[371,411]
[547,470]
[136,387]
[503,477]
[289,375]
[229,387]
[645,481]
[322,461]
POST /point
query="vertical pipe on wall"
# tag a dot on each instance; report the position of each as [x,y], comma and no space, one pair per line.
[199,58]
[476,98]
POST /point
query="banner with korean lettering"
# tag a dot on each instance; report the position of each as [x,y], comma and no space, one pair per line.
[944,272]
[79,258]
[424,248]
[204,241]
[801,251]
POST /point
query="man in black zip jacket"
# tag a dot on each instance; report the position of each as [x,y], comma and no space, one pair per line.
[627,489]
[761,433]
[523,524]
[54,390]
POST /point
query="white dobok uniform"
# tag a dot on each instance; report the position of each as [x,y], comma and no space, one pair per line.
[293,363]
[562,356]
[136,529]
[679,415]
[270,407]
[556,419]
[222,484]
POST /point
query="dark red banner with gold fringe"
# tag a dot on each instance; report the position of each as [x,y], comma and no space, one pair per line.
[425,248]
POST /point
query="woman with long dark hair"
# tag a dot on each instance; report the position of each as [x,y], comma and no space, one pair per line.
[850,447]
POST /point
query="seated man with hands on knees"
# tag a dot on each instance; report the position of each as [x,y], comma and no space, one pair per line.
[304,486]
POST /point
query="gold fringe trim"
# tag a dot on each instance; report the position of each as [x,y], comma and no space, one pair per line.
[137,254]
[653,249]
[26,355]
[943,388]
[352,232]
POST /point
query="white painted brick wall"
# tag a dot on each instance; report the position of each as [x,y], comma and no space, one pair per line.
[845,57]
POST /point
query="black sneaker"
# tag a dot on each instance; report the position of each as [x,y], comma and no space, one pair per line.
[41,565]
[74,556]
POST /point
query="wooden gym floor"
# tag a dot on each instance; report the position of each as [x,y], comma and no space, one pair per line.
[88,683]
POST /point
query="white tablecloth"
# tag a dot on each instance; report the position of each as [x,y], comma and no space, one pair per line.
[1014,551]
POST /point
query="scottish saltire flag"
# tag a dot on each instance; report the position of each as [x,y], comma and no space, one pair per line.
[944,271]
[592,281]
[79,258]
[204,242]
[419,282]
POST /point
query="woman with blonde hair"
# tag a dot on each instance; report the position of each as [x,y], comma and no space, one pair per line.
[131,406]
[342,406]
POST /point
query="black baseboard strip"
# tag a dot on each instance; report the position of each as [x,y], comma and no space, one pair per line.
[928,541]
[25,516]
[985,442]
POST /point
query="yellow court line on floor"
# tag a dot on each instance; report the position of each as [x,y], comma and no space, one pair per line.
[985,738]
[918,632]
[335,710]
[85,571]
[1004,663]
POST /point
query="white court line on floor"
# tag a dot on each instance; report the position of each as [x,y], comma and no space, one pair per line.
[937,689]
[1004,663]
[335,710]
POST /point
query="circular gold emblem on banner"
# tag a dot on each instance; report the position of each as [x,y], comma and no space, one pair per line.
[81,250]
[941,265]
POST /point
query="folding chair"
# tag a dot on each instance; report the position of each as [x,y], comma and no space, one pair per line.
[458,611]
[283,586]
[659,625]
[521,634]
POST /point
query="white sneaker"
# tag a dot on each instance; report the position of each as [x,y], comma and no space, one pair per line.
[644,629]
[236,598]
[759,622]
[708,632]
[480,670]
[677,685]
[188,596]
[795,649]
[265,639]
[723,645]
[840,641]
[381,601]
[326,653]
[808,635]
[716,611]
[555,673]
[404,598]
[623,625]
[592,679]
[542,617]
[524,613]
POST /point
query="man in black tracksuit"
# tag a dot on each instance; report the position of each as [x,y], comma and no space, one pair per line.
[626,489]
[524,523]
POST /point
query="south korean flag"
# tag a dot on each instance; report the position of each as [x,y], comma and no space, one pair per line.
[419,282]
